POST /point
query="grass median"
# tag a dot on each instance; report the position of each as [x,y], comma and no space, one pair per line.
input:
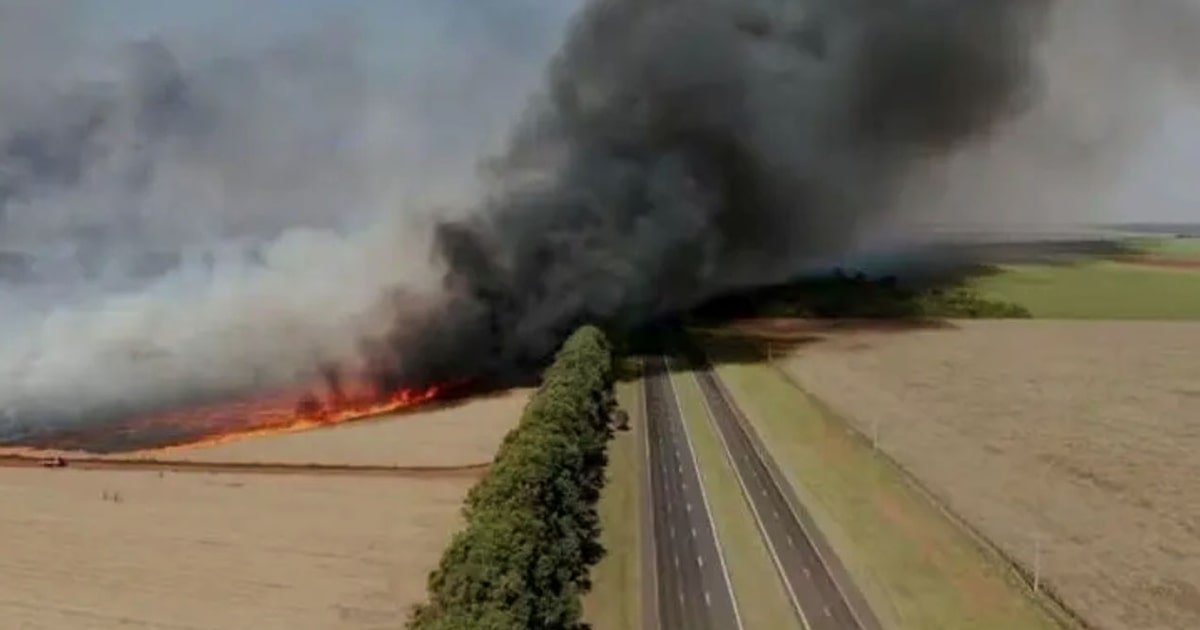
[917,568]
[759,591]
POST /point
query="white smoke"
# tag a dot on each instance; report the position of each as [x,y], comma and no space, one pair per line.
[184,220]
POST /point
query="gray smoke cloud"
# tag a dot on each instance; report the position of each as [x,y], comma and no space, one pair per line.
[191,218]
[689,148]
[189,228]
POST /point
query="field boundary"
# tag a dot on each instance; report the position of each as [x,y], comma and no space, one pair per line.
[264,468]
[1046,595]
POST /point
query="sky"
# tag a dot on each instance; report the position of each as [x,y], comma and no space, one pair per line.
[396,36]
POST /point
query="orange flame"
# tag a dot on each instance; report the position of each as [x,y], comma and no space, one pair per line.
[281,412]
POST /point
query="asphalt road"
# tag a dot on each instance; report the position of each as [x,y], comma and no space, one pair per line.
[693,590]
[820,590]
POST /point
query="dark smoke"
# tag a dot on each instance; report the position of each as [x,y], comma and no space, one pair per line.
[685,148]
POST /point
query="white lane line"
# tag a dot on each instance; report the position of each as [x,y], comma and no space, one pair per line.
[827,612]
[694,533]
[791,543]
[737,614]
[700,560]
[689,506]
[774,474]
[807,573]
[707,599]
[762,530]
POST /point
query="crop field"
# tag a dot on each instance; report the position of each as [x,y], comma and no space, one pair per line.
[1172,247]
[1099,290]
[115,549]
[1070,445]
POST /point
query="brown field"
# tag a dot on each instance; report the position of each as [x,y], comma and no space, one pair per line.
[1081,435]
[200,551]
[462,433]
[106,543]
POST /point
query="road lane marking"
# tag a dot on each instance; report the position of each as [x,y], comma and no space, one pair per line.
[775,475]
[737,615]
[749,497]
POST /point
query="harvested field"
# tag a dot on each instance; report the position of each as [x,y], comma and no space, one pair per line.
[462,433]
[1081,434]
[102,549]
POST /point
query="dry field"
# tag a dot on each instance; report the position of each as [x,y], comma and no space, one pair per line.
[105,548]
[1085,435]
[462,433]
[201,551]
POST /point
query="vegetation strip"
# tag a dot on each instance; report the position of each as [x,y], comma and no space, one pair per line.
[532,529]
[1053,603]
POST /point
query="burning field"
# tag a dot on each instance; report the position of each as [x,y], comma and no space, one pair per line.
[214,423]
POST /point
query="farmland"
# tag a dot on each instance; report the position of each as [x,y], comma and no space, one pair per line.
[1097,290]
[101,549]
[116,548]
[1071,441]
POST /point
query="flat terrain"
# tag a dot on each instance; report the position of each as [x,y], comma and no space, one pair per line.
[1170,247]
[916,568]
[761,596]
[614,603]
[104,549]
[1155,288]
[462,433]
[1080,435]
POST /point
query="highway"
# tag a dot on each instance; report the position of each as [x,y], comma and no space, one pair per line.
[693,590]
[820,591]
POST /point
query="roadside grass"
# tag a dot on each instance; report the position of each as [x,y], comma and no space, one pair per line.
[761,598]
[614,603]
[918,569]
[1097,290]
[1168,247]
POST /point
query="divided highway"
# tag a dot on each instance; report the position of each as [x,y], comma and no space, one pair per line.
[805,564]
[692,585]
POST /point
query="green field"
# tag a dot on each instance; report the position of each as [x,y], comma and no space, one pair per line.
[761,598]
[1096,290]
[1169,247]
[614,602]
[917,568]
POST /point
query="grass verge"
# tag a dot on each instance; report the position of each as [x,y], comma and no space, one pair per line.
[761,599]
[1097,290]
[614,603]
[917,568]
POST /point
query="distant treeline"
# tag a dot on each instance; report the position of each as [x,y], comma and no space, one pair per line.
[855,295]
[532,530]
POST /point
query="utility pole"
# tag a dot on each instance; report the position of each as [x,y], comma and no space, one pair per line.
[1037,563]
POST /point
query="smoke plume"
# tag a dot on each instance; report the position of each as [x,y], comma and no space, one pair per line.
[178,227]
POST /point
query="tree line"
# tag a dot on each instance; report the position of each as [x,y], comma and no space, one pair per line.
[532,529]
